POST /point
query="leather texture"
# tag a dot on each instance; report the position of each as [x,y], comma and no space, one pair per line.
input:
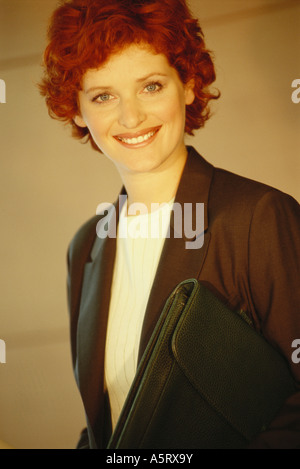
[207,379]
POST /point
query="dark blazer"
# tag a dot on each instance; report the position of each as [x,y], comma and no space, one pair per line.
[250,259]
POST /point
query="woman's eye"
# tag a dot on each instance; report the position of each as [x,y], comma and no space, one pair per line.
[153,87]
[103,98]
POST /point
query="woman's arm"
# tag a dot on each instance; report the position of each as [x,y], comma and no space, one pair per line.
[274,278]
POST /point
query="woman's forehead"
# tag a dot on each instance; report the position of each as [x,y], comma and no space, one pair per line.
[135,62]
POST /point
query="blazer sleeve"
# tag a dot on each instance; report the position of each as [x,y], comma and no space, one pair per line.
[274,278]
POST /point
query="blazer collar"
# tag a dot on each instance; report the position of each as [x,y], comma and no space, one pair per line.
[195,182]
[177,262]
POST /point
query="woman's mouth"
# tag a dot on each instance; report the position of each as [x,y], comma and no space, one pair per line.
[138,139]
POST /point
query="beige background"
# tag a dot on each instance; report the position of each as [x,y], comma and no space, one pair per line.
[51,184]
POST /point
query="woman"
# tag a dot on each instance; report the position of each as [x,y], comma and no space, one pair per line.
[133,77]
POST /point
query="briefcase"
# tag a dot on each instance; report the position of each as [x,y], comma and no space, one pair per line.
[207,379]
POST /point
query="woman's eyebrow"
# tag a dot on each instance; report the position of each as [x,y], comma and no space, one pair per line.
[98,88]
[138,80]
[151,75]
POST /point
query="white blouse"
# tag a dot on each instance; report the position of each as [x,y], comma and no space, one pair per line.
[139,245]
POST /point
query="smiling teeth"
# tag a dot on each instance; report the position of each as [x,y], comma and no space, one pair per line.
[140,139]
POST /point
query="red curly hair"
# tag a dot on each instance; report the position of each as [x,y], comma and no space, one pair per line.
[83,34]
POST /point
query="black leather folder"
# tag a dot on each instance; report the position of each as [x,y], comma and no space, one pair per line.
[207,379]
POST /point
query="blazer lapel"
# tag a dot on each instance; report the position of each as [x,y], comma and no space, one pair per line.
[177,262]
[92,322]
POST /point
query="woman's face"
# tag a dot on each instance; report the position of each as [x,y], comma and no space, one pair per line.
[134,107]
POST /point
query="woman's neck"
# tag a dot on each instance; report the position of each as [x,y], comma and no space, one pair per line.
[158,186]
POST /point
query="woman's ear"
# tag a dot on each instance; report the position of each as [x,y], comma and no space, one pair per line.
[79,121]
[189,92]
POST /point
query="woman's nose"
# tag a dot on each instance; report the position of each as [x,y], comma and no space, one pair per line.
[131,114]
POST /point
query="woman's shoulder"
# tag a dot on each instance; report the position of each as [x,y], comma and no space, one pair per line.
[233,199]
[227,188]
[244,195]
